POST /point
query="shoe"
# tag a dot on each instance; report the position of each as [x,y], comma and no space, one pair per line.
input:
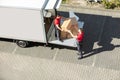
[78,53]
[61,40]
[80,57]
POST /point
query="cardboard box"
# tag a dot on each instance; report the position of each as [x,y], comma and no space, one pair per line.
[69,24]
[63,35]
[74,21]
[66,24]
[74,30]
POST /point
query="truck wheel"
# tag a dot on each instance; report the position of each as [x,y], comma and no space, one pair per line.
[22,44]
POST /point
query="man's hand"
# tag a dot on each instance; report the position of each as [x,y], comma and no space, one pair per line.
[61,29]
[68,31]
[71,34]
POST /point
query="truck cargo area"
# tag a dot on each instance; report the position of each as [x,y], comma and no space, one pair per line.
[67,40]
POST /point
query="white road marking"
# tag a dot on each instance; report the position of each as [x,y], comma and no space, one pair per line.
[55,55]
[99,39]
[94,61]
[14,50]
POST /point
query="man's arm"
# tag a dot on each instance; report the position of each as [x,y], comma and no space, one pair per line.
[71,34]
[59,28]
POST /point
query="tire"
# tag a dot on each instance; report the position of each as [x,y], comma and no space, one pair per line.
[22,44]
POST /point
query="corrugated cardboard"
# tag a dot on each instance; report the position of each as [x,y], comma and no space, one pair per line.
[74,21]
[74,30]
[66,24]
[63,35]
[69,24]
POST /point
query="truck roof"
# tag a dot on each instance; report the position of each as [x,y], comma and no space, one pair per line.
[31,4]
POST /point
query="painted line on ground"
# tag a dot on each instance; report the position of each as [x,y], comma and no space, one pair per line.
[99,39]
[14,50]
[55,55]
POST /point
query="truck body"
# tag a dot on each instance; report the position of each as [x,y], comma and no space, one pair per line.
[29,20]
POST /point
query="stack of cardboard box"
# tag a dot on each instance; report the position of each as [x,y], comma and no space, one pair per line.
[69,24]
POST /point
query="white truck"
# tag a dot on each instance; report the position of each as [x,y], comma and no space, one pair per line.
[30,20]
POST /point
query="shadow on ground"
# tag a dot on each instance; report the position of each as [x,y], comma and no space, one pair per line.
[100,30]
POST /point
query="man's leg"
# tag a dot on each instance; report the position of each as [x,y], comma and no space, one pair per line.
[58,34]
[79,49]
[55,33]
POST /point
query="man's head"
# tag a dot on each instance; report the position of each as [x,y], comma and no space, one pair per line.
[58,15]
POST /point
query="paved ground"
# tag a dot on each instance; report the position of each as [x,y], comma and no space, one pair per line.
[100,62]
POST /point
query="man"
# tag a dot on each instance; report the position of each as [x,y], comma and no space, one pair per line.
[58,29]
[79,39]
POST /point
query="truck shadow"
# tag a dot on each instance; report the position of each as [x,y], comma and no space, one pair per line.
[52,46]
[102,33]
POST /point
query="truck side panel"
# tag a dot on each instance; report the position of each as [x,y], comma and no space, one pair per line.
[22,24]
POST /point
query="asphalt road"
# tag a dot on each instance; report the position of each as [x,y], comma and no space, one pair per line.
[101,54]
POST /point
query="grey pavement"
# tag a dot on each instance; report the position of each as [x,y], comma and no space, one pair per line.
[16,67]
[101,58]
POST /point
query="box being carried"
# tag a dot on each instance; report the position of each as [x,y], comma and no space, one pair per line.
[66,24]
[69,24]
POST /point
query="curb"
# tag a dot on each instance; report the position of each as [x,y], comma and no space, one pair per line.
[106,12]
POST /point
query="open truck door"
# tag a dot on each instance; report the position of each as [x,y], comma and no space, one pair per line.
[53,4]
[49,13]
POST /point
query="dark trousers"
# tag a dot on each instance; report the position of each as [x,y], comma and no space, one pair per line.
[57,33]
[79,47]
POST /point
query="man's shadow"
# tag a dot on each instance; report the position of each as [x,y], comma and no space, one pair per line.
[109,39]
[103,46]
